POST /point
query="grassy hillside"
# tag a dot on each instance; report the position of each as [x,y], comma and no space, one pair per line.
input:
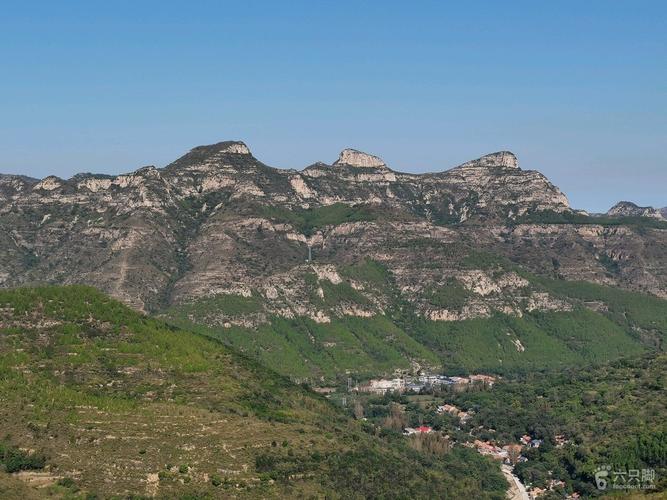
[548,340]
[644,315]
[301,348]
[550,217]
[307,221]
[96,399]
[604,324]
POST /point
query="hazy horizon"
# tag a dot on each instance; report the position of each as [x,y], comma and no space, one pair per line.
[109,88]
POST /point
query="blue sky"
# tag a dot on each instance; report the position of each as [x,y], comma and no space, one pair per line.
[578,90]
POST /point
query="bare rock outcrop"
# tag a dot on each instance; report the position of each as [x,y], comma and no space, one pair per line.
[355,158]
[629,209]
[219,221]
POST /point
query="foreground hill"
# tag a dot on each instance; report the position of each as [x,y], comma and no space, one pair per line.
[98,399]
[344,265]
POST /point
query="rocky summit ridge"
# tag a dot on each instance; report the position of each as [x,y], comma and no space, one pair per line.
[629,209]
[355,158]
[500,159]
[219,222]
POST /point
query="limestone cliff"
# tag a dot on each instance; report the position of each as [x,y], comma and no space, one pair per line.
[629,209]
[218,222]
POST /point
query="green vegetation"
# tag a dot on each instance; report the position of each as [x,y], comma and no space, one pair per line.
[484,260]
[609,415]
[367,271]
[604,324]
[229,303]
[585,417]
[302,348]
[451,296]
[550,217]
[377,475]
[340,293]
[13,460]
[537,340]
[307,221]
[120,403]
[645,315]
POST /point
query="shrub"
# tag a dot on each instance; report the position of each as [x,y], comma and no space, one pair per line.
[15,460]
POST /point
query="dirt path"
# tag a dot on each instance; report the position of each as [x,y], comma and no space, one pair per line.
[517,490]
[36,479]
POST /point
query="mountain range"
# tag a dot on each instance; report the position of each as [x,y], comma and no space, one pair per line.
[350,266]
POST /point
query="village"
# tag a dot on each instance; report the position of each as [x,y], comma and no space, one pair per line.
[428,391]
[421,382]
[509,455]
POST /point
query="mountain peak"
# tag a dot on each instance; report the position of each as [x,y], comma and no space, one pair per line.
[224,152]
[499,159]
[625,204]
[354,158]
[225,147]
[630,209]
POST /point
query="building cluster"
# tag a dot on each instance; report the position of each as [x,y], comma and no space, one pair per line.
[381,386]
[508,454]
[529,442]
[422,429]
[420,382]
[552,485]
[560,440]
[463,416]
[511,455]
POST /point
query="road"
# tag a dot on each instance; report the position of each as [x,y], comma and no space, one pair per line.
[517,490]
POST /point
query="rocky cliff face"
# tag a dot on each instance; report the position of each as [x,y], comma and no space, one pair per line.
[218,222]
[355,158]
[629,209]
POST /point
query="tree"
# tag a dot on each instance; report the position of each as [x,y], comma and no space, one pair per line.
[434,443]
[513,453]
[397,420]
[358,410]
